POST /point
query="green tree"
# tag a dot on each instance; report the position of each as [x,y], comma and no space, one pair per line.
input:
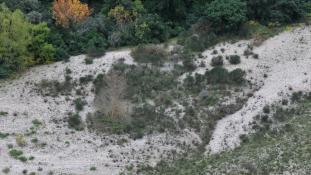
[15,38]
[22,43]
[226,15]
[42,51]
[283,11]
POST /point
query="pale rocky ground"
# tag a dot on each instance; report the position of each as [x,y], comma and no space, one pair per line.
[85,149]
[286,59]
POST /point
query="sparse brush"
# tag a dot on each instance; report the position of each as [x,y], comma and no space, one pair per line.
[217,61]
[149,54]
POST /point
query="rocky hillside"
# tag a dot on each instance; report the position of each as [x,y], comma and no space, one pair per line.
[53,119]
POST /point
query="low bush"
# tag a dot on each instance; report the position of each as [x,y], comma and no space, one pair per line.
[79,104]
[194,43]
[234,59]
[86,79]
[75,122]
[219,75]
[101,123]
[237,76]
[54,88]
[148,82]
[149,54]
[3,135]
[144,120]
[217,61]
[15,153]
[88,60]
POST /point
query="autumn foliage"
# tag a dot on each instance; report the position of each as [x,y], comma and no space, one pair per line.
[66,12]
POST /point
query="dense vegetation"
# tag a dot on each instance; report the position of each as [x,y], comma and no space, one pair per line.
[41,31]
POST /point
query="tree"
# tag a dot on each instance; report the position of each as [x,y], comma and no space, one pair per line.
[283,11]
[122,15]
[15,37]
[66,12]
[22,43]
[42,51]
[226,15]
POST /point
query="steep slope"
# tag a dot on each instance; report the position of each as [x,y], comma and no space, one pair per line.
[56,148]
[285,61]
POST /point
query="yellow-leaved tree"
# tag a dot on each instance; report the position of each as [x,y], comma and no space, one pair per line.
[67,12]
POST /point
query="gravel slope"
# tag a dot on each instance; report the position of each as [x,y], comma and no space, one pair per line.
[286,60]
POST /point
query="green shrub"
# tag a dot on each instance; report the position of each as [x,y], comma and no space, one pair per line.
[266,109]
[218,75]
[237,76]
[234,59]
[6,170]
[2,113]
[217,61]
[3,135]
[15,153]
[86,79]
[147,82]
[96,45]
[75,122]
[79,104]
[88,60]
[194,43]
[54,88]
[149,54]
[93,168]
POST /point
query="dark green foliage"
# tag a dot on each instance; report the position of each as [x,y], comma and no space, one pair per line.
[237,76]
[219,75]
[79,104]
[194,43]
[98,82]
[18,154]
[282,11]
[146,82]
[149,54]
[199,24]
[150,28]
[86,79]
[226,15]
[234,59]
[217,61]
[54,88]
[75,122]
[3,135]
